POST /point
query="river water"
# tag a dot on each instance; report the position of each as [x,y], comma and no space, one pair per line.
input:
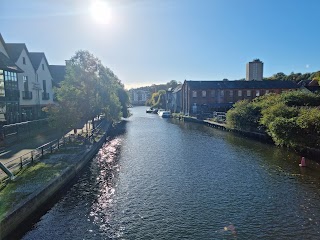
[165,179]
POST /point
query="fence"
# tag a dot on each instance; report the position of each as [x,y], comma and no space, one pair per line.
[17,131]
[15,165]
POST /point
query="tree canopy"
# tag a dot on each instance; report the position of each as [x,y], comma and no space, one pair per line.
[88,90]
[292,118]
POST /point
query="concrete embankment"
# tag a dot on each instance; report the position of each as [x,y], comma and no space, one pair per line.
[255,135]
[310,153]
[35,201]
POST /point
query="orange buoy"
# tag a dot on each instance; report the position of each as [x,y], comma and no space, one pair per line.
[303,162]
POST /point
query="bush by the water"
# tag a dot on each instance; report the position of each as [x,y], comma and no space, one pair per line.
[292,118]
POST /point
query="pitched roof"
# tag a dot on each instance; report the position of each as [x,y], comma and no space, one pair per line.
[15,49]
[36,58]
[8,65]
[3,43]
[267,84]
[58,72]
[177,88]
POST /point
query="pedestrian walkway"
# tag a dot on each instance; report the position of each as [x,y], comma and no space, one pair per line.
[24,146]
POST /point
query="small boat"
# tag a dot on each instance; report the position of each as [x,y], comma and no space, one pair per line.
[160,111]
[149,110]
[165,114]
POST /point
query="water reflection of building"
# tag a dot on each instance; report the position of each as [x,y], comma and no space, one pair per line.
[139,97]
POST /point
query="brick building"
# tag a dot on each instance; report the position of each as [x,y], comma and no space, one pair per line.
[208,96]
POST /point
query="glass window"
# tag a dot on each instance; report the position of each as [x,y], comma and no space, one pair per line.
[267,91]
[44,86]
[222,93]
[24,60]
[239,93]
[25,83]
[257,93]
[204,93]
[248,93]
[42,66]
[231,93]
[213,93]
[194,93]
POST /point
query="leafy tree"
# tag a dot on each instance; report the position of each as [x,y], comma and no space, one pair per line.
[284,131]
[292,119]
[89,89]
[273,112]
[299,98]
[245,116]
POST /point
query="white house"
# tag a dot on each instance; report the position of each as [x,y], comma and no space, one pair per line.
[9,93]
[29,101]
[43,83]
[139,97]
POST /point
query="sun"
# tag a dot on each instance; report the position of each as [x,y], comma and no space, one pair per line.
[100,12]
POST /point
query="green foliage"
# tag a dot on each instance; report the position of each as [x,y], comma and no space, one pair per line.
[284,131]
[278,110]
[298,98]
[296,77]
[158,99]
[245,116]
[292,118]
[155,88]
[89,89]
[316,76]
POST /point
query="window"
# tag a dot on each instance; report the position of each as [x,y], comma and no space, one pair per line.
[267,91]
[42,66]
[25,83]
[248,93]
[213,93]
[239,93]
[222,93]
[257,93]
[44,86]
[194,93]
[231,93]
[204,93]
[2,93]
[24,60]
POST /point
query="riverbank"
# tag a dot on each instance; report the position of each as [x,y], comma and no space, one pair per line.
[310,153]
[36,185]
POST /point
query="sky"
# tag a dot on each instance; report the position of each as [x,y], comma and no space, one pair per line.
[148,42]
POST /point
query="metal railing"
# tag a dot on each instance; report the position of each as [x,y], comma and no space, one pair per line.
[26,95]
[17,164]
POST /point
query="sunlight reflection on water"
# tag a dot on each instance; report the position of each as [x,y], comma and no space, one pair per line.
[163,179]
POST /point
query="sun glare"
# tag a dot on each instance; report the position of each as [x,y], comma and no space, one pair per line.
[100,12]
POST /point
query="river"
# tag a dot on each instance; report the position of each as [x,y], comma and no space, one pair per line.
[165,179]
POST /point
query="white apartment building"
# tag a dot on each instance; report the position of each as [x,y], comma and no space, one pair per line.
[29,104]
[254,70]
[43,83]
[139,97]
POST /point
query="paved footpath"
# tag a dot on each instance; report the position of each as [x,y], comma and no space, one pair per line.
[26,145]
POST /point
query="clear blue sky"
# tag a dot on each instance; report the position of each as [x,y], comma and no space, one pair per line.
[155,41]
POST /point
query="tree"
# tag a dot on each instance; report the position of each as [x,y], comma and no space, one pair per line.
[244,115]
[88,90]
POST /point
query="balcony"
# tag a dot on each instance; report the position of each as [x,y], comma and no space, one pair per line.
[45,96]
[26,95]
